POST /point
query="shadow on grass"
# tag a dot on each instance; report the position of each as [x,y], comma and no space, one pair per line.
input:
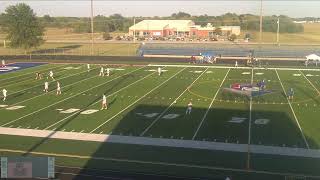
[280,129]
[73,116]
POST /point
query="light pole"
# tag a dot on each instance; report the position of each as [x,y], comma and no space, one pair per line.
[91,27]
[278,29]
[260,36]
[134,29]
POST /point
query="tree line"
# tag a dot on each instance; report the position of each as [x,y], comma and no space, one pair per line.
[119,23]
[25,30]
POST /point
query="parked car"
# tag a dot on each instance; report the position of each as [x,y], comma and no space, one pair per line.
[118,38]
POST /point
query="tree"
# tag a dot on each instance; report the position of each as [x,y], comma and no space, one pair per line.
[107,36]
[232,37]
[218,31]
[22,27]
[180,15]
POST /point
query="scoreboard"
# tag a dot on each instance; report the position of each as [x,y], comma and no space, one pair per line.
[27,167]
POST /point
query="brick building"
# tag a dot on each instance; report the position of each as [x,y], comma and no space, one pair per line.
[178,28]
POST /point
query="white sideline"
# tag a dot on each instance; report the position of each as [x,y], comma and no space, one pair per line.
[98,101]
[136,101]
[259,149]
[229,67]
[294,114]
[207,111]
[68,98]
[163,112]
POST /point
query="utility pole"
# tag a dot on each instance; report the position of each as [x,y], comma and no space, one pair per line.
[278,29]
[134,29]
[260,36]
[92,28]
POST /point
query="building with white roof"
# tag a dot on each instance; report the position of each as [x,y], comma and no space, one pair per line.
[178,28]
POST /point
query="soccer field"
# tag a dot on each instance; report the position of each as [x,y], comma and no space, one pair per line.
[144,104]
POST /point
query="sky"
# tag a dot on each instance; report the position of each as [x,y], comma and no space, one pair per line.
[81,8]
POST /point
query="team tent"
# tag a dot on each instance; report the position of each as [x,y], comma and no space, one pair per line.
[208,56]
[313,58]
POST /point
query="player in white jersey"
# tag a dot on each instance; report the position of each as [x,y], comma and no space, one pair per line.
[88,67]
[236,64]
[58,88]
[46,86]
[51,75]
[159,71]
[108,71]
[189,108]
[101,71]
[4,92]
[3,63]
[38,75]
[104,102]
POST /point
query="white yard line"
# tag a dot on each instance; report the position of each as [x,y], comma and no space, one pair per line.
[136,101]
[41,84]
[249,128]
[206,113]
[294,114]
[53,90]
[310,82]
[98,101]
[69,98]
[163,112]
[229,67]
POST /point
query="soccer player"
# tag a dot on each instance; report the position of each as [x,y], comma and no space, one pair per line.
[58,88]
[101,71]
[38,75]
[88,67]
[262,85]
[46,86]
[4,92]
[159,71]
[236,64]
[51,75]
[108,71]
[290,94]
[3,63]
[104,102]
[189,108]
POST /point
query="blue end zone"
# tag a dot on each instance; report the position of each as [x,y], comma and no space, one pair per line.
[18,66]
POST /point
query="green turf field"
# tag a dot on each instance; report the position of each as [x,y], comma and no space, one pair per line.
[144,104]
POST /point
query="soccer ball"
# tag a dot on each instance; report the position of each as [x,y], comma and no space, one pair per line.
[174,102]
